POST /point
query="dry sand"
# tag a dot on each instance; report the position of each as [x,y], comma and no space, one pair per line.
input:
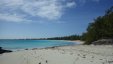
[77,54]
[76,41]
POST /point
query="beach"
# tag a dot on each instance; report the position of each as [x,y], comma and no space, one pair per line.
[76,54]
[76,41]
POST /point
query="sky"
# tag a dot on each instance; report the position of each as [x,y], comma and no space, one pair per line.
[48,18]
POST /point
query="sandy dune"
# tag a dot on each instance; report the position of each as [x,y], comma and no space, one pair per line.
[78,54]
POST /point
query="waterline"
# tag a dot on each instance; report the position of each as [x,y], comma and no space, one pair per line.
[29,44]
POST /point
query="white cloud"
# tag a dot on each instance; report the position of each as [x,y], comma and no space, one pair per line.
[70,4]
[12,2]
[45,9]
[13,18]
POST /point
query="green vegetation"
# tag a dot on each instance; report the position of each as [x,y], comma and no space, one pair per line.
[101,28]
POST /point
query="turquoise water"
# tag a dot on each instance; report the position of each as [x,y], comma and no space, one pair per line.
[29,44]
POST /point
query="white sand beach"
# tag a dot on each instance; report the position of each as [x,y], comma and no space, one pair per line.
[77,54]
[76,41]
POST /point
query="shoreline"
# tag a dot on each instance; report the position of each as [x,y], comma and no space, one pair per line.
[76,42]
[66,54]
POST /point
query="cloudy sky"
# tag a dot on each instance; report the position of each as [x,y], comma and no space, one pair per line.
[48,18]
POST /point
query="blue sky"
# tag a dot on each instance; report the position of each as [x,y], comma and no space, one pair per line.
[48,18]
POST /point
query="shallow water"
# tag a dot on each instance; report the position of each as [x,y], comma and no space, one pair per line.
[28,44]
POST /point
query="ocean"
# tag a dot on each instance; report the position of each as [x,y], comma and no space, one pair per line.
[29,44]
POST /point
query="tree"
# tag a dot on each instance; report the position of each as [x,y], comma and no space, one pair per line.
[102,27]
